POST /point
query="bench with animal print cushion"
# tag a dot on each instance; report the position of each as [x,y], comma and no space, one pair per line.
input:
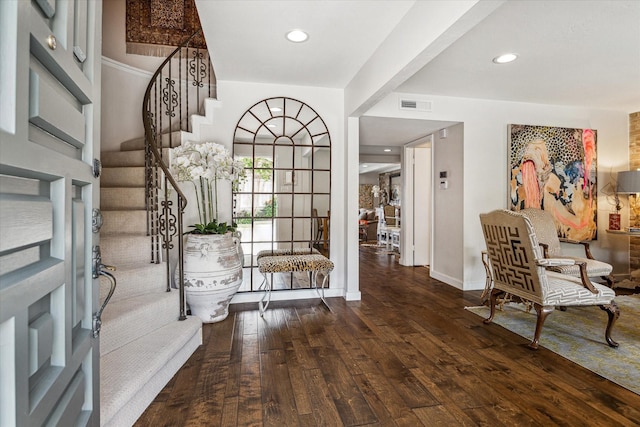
[313,263]
[294,251]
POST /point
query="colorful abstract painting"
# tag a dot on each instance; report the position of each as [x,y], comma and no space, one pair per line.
[554,169]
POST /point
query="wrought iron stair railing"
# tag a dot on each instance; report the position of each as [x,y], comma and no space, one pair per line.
[176,91]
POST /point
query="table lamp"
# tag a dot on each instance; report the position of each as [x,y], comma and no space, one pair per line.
[629,183]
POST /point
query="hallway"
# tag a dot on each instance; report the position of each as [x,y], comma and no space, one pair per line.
[407,354]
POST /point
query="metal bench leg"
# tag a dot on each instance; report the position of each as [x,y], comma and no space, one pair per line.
[314,275]
[267,295]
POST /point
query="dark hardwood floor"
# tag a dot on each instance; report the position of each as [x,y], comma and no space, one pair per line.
[407,354]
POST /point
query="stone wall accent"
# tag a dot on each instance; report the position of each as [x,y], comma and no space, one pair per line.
[366,196]
[634,163]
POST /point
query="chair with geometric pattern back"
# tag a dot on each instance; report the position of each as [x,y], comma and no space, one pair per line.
[519,267]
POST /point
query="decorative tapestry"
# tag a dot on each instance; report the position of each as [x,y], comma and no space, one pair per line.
[156,27]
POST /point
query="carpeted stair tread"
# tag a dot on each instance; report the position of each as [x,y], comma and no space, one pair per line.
[126,249]
[132,376]
[122,198]
[134,280]
[135,317]
[139,143]
[122,158]
[130,176]
[133,144]
[123,221]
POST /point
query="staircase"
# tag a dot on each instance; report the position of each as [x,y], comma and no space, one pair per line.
[142,342]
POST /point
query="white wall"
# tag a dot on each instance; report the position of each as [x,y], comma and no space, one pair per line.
[484,170]
[122,93]
[448,205]
[369,178]
[237,97]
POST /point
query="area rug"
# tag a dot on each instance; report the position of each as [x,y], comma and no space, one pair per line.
[578,335]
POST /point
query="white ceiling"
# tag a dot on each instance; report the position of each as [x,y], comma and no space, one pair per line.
[581,53]
[570,53]
[246,39]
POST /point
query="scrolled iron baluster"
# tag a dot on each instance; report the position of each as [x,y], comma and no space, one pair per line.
[162,100]
[170,97]
[197,68]
[167,224]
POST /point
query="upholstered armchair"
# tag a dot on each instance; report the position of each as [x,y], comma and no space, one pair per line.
[519,268]
[368,223]
[547,235]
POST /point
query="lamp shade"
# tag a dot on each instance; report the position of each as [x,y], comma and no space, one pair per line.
[628,182]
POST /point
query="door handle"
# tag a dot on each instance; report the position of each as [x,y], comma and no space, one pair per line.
[100,269]
[97,317]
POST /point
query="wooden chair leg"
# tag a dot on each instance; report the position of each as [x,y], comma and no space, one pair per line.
[494,298]
[543,312]
[613,312]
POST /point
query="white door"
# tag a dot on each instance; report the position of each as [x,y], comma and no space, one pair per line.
[416,206]
[49,136]
[422,205]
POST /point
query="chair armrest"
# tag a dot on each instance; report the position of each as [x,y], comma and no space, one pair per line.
[587,249]
[585,279]
[556,262]
[552,262]
[545,249]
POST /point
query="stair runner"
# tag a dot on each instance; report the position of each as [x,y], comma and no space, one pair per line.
[142,342]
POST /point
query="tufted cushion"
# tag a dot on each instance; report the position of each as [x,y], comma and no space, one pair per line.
[568,290]
[290,263]
[280,252]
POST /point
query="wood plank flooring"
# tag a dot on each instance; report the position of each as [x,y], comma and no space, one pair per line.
[407,354]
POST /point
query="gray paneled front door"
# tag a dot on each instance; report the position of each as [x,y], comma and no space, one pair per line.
[49,130]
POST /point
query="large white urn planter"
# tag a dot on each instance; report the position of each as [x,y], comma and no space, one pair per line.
[212,274]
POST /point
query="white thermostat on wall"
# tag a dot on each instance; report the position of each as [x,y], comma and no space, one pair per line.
[444,183]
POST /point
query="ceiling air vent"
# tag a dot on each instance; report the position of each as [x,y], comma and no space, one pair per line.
[415,105]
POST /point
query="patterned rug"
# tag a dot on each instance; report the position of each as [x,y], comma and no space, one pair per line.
[578,335]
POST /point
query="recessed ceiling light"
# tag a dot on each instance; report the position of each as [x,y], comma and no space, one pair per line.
[297,36]
[275,109]
[271,126]
[386,150]
[365,166]
[503,59]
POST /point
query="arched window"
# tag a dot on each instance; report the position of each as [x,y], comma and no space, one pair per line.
[285,201]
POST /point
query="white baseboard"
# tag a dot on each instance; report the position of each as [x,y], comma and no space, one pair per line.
[446,279]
